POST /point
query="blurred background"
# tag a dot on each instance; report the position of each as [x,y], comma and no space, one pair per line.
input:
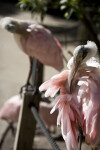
[73,22]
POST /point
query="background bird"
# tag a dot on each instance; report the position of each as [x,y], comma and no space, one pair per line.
[11,108]
[36,41]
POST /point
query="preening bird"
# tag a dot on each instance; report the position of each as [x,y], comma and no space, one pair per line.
[36,41]
[81,55]
[79,109]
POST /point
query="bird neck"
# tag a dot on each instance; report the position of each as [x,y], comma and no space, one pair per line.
[17,39]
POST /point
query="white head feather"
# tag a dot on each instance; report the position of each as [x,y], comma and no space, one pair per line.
[5,21]
[91,45]
[9,20]
[92,50]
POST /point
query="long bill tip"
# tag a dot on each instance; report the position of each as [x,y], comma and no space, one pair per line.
[71,77]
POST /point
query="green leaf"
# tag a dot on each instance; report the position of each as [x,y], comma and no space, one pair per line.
[63,1]
[63,7]
[57,94]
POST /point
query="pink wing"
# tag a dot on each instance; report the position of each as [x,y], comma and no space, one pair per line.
[68,109]
[42,45]
[54,84]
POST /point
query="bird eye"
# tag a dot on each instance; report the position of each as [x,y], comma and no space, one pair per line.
[10,27]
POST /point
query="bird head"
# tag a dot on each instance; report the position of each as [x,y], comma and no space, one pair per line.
[9,24]
[14,25]
[81,54]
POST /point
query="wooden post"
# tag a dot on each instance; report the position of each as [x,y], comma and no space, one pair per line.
[26,123]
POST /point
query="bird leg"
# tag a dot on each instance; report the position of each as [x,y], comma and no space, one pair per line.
[30,71]
[28,86]
[80,139]
[12,128]
[9,127]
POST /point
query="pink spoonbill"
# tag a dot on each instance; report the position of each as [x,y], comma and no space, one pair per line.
[36,41]
[86,68]
[11,108]
[78,104]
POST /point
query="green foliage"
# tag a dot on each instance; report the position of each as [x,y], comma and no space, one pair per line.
[96,17]
[34,6]
[81,8]
[38,6]
[68,7]
[57,94]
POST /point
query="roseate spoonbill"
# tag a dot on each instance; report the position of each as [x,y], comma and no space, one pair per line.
[87,70]
[36,41]
[11,108]
[79,102]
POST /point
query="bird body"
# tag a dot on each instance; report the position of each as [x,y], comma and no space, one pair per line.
[36,41]
[42,45]
[89,97]
[11,108]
